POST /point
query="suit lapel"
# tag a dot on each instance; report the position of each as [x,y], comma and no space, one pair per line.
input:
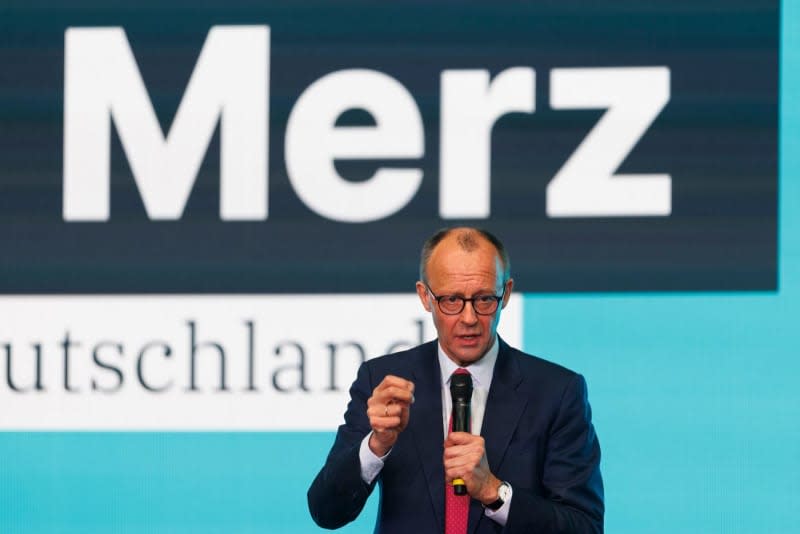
[426,422]
[504,407]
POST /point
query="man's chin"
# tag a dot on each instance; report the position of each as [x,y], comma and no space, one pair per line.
[470,354]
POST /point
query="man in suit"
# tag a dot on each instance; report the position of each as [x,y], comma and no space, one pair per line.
[531,461]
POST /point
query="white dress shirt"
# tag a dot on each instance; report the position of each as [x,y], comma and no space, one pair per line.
[481,372]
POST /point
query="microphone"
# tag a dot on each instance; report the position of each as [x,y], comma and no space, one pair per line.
[461,393]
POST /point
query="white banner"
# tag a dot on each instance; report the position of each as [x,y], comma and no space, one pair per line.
[218,362]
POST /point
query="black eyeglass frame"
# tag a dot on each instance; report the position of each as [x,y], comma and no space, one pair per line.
[464,300]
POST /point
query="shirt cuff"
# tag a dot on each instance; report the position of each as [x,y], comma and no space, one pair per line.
[500,516]
[371,464]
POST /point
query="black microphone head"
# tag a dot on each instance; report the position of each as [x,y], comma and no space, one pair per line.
[461,387]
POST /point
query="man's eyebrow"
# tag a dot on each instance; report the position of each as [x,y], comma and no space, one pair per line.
[479,292]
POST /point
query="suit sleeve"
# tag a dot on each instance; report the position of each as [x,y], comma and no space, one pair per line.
[338,494]
[573,488]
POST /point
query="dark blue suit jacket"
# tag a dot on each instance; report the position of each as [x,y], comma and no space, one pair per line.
[539,438]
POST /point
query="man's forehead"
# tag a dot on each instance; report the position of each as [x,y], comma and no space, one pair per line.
[458,265]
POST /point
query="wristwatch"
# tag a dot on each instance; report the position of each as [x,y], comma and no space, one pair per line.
[503,495]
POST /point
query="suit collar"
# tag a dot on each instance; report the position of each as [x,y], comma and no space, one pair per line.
[504,406]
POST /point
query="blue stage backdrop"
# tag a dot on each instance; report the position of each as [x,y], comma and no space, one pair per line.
[211,215]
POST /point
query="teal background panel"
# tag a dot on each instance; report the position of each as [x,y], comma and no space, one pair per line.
[182,482]
[695,396]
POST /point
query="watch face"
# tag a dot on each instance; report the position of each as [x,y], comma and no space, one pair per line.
[503,491]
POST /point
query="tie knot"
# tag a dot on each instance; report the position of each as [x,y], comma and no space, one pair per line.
[460,371]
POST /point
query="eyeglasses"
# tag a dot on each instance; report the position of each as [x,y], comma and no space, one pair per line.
[454,304]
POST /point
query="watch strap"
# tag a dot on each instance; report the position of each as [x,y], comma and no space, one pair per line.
[496,505]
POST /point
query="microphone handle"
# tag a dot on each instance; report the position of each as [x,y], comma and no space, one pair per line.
[461,409]
[461,416]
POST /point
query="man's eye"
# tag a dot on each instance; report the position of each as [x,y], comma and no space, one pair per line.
[451,299]
[484,299]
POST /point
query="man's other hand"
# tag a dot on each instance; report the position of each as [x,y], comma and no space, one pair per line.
[388,411]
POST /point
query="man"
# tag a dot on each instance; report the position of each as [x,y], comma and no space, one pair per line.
[531,460]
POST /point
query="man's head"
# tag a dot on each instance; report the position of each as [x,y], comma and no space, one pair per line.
[468,263]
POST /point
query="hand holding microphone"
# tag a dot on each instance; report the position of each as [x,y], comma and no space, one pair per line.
[465,460]
[461,394]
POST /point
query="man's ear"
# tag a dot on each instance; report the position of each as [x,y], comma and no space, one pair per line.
[422,293]
[508,288]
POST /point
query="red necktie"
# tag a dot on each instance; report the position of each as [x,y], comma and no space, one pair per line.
[456,507]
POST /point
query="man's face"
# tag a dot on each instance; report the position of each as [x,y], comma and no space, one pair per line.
[451,270]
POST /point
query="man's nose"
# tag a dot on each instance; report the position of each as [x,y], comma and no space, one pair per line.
[468,314]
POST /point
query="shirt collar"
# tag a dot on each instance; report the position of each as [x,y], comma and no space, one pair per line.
[481,370]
